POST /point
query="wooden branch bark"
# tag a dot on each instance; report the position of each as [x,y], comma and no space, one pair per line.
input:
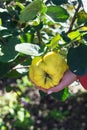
[74,18]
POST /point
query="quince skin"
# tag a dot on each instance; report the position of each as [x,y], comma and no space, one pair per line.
[47,71]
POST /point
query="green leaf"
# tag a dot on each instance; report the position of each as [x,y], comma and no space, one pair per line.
[21,115]
[77,59]
[28,49]
[42,94]
[25,37]
[65,37]
[82,17]
[2,28]
[4,32]
[20,5]
[8,88]
[0,22]
[75,35]
[59,2]
[62,95]
[30,11]
[13,74]
[65,94]
[8,50]
[85,37]
[84,2]
[21,69]
[57,13]
[3,10]
[4,69]
[54,41]
[6,19]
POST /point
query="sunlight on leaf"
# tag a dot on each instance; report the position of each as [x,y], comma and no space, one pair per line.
[84,2]
[74,35]
[54,41]
[28,49]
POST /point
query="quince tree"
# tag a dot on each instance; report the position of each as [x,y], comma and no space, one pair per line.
[46,36]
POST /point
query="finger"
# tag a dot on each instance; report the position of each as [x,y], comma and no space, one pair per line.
[68,78]
[53,90]
[42,89]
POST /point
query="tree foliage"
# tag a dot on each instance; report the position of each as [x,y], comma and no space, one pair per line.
[32,27]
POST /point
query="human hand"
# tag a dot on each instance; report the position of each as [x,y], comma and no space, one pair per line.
[67,79]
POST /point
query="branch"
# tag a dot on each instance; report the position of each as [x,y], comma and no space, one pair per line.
[74,18]
[39,37]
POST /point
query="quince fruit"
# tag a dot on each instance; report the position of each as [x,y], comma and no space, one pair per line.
[47,71]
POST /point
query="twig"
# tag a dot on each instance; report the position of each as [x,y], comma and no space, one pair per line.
[78,28]
[39,37]
[74,18]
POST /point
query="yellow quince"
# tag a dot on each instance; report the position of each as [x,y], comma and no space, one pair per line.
[47,71]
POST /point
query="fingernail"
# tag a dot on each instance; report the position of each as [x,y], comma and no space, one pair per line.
[49,92]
